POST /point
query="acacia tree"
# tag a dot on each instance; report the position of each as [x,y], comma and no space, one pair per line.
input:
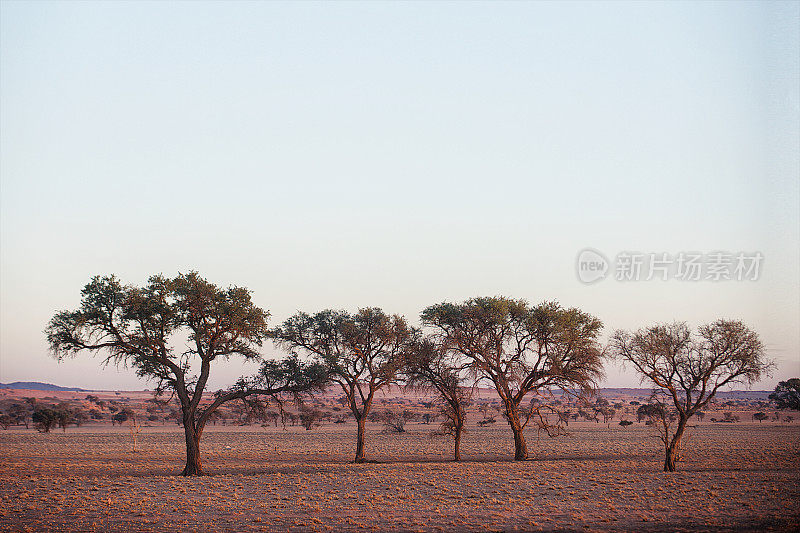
[787,394]
[430,367]
[44,419]
[690,369]
[136,326]
[522,350]
[362,352]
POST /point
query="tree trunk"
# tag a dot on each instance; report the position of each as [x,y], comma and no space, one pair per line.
[457,449]
[360,439]
[674,445]
[520,447]
[193,466]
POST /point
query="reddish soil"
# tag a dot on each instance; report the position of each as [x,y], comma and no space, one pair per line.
[735,477]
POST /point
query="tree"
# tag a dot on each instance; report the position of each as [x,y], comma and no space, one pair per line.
[430,367]
[394,421]
[787,394]
[760,417]
[134,326]
[362,352]
[6,421]
[20,414]
[521,350]
[607,413]
[44,419]
[122,416]
[690,369]
[310,417]
[647,411]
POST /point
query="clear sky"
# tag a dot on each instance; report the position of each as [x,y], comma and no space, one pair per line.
[397,155]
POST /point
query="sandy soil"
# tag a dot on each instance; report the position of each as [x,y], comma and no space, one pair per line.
[736,477]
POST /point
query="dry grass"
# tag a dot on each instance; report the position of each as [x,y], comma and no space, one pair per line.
[736,477]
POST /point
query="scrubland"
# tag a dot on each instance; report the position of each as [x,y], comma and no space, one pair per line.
[600,477]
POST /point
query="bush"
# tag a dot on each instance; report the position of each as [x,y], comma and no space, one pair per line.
[395,422]
[310,418]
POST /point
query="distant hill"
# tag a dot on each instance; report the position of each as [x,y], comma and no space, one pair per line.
[37,385]
[616,392]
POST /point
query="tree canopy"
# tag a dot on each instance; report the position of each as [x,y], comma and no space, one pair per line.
[690,369]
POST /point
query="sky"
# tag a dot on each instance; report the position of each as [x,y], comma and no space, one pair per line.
[346,155]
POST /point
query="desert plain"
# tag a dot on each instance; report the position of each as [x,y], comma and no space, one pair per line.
[739,476]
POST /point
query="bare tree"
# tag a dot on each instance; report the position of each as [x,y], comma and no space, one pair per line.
[521,350]
[363,353]
[136,428]
[134,326]
[430,367]
[690,369]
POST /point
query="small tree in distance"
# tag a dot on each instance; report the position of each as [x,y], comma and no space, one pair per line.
[394,421]
[309,417]
[44,419]
[691,369]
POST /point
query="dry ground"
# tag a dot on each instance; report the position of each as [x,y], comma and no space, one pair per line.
[736,477]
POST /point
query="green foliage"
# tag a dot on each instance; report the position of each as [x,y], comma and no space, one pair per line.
[133,325]
[368,346]
[528,348]
[369,341]
[787,394]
